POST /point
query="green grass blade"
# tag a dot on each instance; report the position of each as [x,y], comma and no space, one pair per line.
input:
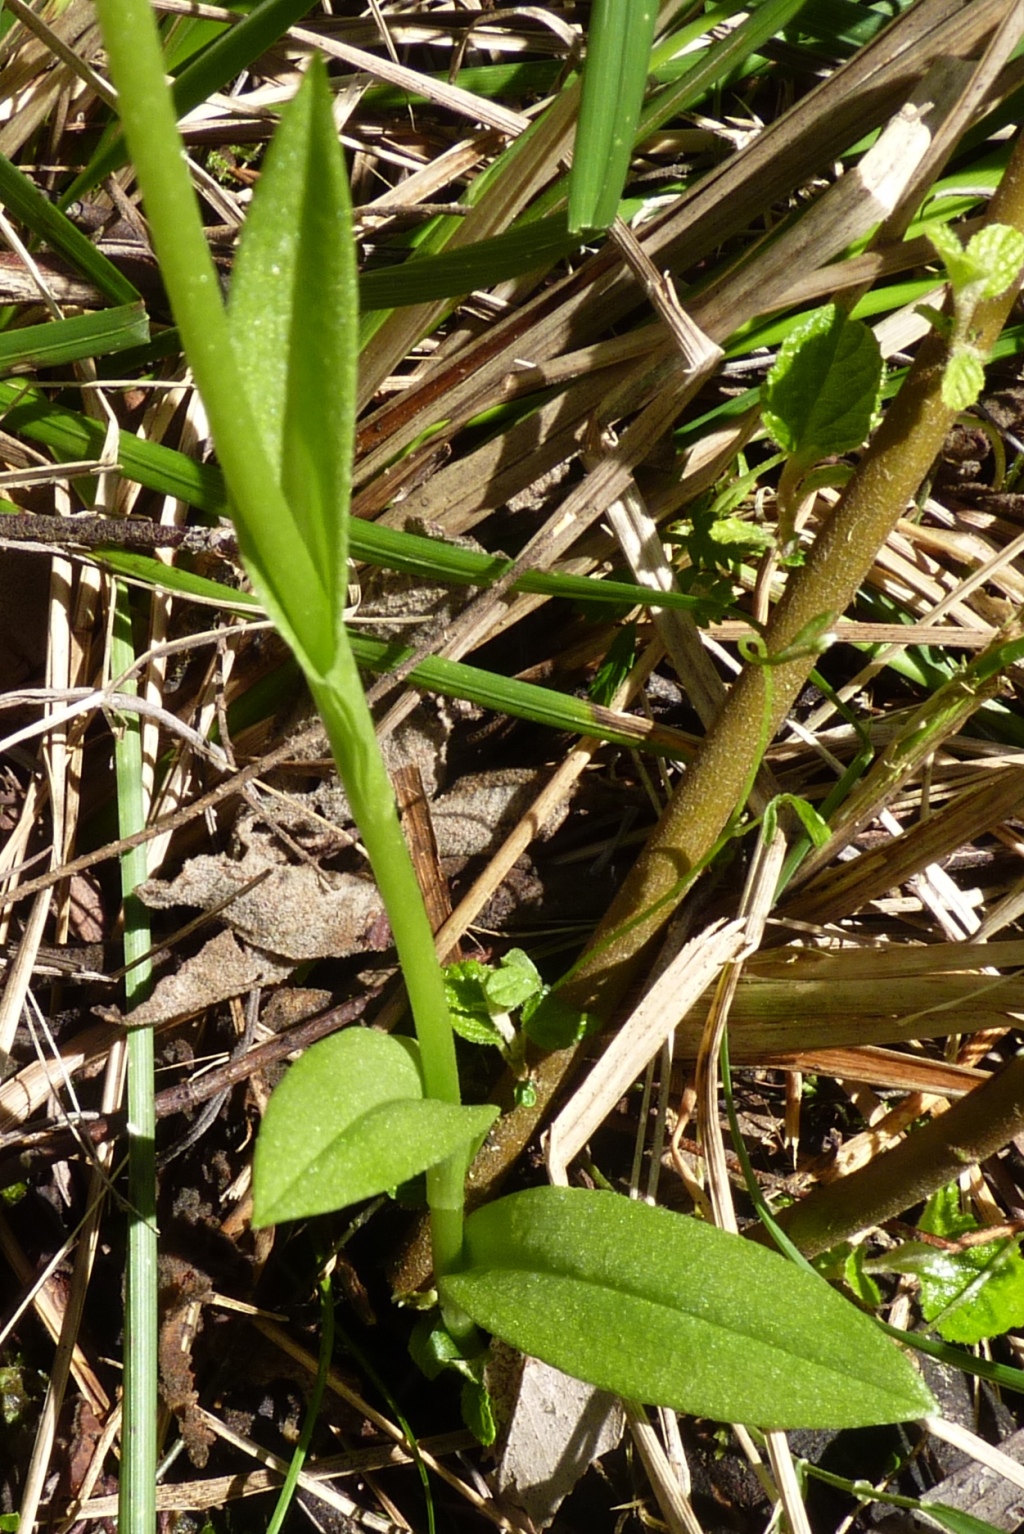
[614,80]
[419,556]
[26,203]
[137,1507]
[481,265]
[714,64]
[506,695]
[313,1405]
[84,335]
[452,679]
[294,323]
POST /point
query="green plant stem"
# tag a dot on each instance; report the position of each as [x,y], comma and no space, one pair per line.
[269,543]
[137,1494]
[888,476]
[316,1396]
[349,725]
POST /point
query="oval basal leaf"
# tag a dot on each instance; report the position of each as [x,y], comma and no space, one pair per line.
[350,1121]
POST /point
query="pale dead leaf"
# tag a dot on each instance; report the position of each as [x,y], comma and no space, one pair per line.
[223,968]
[297,911]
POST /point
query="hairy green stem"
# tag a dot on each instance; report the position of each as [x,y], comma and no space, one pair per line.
[888,476]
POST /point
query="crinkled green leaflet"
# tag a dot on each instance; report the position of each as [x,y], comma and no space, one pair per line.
[822,393]
[668,1310]
[350,1121]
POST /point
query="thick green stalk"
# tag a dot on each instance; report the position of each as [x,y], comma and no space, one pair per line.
[888,476]
[270,535]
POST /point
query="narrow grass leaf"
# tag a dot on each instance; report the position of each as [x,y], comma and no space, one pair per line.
[26,203]
[293,322]
[350,1121]
[715,63]
[390,549]
[226,57]
[956,1520]
[456,272]
[451,679]
[84,335]
[667,1310]
[614,80]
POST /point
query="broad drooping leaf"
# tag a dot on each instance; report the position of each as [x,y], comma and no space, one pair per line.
[664,1309]
[350,1121]
[973,1293]
[821,395]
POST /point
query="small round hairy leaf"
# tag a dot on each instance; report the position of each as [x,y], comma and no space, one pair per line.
[822,394]
[670,1311]
[963,379]
[350,1121]
[998,252]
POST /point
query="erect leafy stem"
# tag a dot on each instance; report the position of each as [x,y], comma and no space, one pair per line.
[648,1303]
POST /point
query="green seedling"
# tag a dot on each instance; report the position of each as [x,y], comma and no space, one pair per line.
[650,1304]
[482,998]
[819,400]
[983,269]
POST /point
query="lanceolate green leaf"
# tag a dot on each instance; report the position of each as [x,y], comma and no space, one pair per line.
[350,1121]
[290,584]
[667,1310]
[614,79]
[293,322]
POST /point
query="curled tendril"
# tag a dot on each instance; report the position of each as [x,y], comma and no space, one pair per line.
[812,639]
